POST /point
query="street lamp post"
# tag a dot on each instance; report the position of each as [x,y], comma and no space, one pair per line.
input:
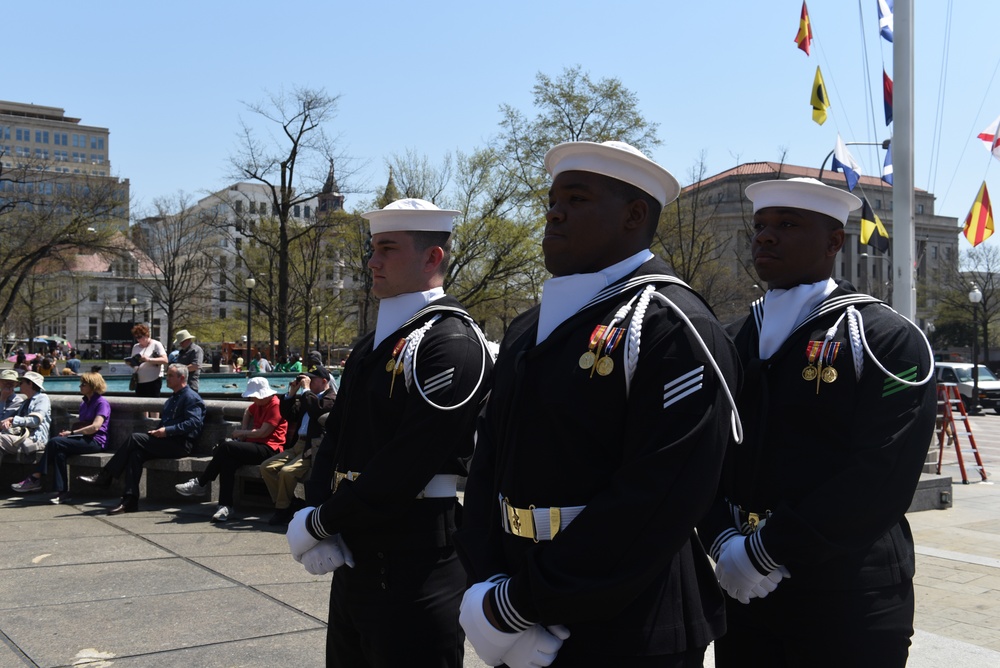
[249,283]
[317,310]
[133,302]
[975,296]
[329,335]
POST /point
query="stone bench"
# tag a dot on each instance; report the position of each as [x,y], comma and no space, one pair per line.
[128,416]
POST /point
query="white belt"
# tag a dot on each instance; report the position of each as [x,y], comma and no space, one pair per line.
[536,523]
[441,486]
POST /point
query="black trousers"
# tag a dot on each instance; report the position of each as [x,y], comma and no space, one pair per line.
[397,608]
[795,627]
[226,458]
[139,448]
[57,450]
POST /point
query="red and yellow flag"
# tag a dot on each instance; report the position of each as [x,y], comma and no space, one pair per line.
[979,222]
[805,35]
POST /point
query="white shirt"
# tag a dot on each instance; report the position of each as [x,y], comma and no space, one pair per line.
[394,311]
[562,296]
[784,310]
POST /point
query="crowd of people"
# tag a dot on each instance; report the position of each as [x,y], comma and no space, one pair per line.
[642,481]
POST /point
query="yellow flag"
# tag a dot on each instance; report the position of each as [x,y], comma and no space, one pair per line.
[820,102]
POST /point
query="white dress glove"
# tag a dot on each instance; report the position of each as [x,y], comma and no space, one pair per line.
[300,540]
[738,576]
[329,555]
[537,647]
[490,643]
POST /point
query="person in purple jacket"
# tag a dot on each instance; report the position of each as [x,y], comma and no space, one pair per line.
[88,434]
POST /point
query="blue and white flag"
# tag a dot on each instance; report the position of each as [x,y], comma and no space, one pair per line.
[885,19]
[887,166]
[842,161]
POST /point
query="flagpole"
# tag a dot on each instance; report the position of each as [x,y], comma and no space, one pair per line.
[903,247]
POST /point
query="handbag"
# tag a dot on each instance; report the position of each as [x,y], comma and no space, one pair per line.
[133,382]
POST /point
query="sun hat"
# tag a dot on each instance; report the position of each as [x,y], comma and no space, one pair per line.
[258,388]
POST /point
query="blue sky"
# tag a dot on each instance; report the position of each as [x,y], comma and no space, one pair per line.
[723,78]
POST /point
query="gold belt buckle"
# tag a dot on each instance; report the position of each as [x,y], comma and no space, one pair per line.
[522,522]
[339,477]
[753,519]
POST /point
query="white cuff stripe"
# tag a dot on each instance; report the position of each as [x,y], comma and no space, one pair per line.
[317,528]
[716,550]
[760,554]
[510,616]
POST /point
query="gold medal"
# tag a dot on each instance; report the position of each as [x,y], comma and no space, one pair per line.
[809,373]
[605,366]
[390,366]
[587,360]
[829,374]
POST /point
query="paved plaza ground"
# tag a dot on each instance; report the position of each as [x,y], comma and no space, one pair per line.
[165,587]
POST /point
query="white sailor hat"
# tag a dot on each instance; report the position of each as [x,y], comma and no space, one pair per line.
[803,193]
[410,215]
[617,160]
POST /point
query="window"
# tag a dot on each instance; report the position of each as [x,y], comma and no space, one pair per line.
[222,296]
[41,136]
[60,139]
[307,211]
[253,206]
[5,132]
[92,293]
[920,208]
[120,290]
[239,206]
[92,328]
[23,134]
[296,211]
[934,252]
[878,204]
[222,314]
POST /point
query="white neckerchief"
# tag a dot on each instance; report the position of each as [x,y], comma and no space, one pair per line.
[562,296]
[394,311]
[784,310]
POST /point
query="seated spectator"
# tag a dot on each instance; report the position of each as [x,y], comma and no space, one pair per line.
[261,434]
[88,434]
[27,431]
[47,366]
[180,426]
[307,412]
[10,400]
[72,363]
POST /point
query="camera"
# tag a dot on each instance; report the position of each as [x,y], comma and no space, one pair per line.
[135,360]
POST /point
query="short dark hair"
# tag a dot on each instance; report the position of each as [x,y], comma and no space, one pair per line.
[629,192]
[423,240]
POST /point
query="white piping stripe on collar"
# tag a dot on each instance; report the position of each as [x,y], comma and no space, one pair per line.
[824,307]
[628,285]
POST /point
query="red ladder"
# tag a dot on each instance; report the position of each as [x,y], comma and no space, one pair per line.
[948,397]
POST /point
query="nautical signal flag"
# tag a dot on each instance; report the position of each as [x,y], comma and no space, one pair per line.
[887,166]
[844,162]
[804,37]
[979,222]
[887,96]
[820,101]
[885,19]
[872,230]
[991,138]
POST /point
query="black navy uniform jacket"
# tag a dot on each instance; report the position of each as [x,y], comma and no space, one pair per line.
[397,440]
[836,469]
[629,572]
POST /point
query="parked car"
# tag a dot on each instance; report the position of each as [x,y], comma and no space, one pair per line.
[960,373]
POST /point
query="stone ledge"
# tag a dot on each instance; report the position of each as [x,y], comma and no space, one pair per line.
[933,493]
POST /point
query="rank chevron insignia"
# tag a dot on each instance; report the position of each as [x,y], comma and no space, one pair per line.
[892,386]
[684,386]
